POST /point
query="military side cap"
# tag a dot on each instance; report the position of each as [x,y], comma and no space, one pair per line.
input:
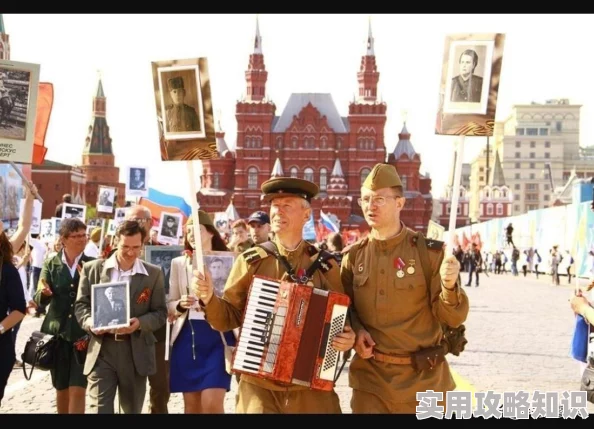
[382,176]
[175,83]
[289,187]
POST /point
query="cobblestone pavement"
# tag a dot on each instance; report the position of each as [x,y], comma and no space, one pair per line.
[519,332]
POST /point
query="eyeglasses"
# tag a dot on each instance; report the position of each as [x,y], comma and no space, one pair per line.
[378,200]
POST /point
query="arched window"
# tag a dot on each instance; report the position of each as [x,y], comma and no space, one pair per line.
[499,209]
[364,173]
[308,174]
[216,180]
[294,172]
[323,179]
[252,178]
[294,142]
[279,143]
[323,143]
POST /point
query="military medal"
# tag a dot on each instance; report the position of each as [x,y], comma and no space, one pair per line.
[411,267]
[399,264]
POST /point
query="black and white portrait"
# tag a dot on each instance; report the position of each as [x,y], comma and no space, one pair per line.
[74,210]
[120,215]
[14,95]
[110,306]
[219,266]
[184,110]
[19,87]
[105,199]
[136,185]
[170,228]
[162,256]
[46,233]
[181,102]
[112,225]
[469,74]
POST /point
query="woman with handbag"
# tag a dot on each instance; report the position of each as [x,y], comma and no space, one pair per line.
[12,308]
[58,287]
[197,363]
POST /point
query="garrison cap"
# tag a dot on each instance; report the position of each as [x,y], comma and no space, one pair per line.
[382,176]
[289,187]
[176,83]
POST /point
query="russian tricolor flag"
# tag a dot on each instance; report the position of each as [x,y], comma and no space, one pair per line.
[327,222]
[158,202]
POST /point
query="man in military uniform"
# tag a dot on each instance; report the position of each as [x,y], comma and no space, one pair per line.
[467,87]
[392,313]
[290,210]
[180,116]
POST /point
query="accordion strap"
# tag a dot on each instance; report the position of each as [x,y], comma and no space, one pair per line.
[321,259]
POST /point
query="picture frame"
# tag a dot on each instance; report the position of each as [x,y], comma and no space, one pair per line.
[162,256]
[19,87]
[106,199]
[36,217]
[184,109]
[137,181]
[46,230]
[170,228]
[219,265]
[110,305]
[74,210]
[470,76]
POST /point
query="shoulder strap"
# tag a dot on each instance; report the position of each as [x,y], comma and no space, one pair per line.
[320,262]
[271,249]
[424,255]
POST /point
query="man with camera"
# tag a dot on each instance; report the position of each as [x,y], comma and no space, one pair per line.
[404,293]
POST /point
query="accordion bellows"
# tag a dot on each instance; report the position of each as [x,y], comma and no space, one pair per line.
[287,332]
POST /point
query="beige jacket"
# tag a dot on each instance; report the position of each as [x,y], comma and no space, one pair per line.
[181,272]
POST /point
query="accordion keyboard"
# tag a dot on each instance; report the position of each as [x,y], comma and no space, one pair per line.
[261,329]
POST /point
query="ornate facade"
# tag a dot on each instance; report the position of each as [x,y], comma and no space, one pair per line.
[311,140]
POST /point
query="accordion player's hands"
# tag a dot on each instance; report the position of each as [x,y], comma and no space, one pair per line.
[345,340]
[202,285]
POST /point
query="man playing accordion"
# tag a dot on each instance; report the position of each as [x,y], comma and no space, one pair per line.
[290,209]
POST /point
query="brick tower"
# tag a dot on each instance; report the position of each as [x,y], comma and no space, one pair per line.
[98,161]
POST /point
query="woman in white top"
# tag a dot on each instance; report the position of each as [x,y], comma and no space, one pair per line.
[197,363]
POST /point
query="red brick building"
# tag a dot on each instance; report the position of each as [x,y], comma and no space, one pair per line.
[310,140]
[53,180]
[98,161]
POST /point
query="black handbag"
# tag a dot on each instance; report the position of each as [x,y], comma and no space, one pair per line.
[40,352]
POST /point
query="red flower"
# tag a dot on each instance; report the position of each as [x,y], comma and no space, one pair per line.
[82,343]
[187,253]
[144,296]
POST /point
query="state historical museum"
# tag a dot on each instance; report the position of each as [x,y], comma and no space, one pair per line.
[310,140]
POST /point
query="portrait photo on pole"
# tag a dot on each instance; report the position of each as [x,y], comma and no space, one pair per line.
[46,234]
[106,199]
[74,210]
[162,256]
[136,183]
[184,109]
[19,85]
[170,226]
[470,76]
[110,305]
[57,222]
[219,266]
[120,215]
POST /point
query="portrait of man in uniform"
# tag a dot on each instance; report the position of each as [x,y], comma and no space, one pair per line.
[181,103]
[110,305]
[219,266]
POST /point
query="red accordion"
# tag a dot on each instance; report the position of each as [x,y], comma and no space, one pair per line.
[287,332]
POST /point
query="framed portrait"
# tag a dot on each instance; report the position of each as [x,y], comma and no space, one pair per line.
[136,182]
[106,198]
[184,109]
[74,210]
[111,227]
[47,234]
[469,87]
[162,256]
[219,266]
[110,305]
[19,85]
[170,228]
[56,223]
[120,215]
